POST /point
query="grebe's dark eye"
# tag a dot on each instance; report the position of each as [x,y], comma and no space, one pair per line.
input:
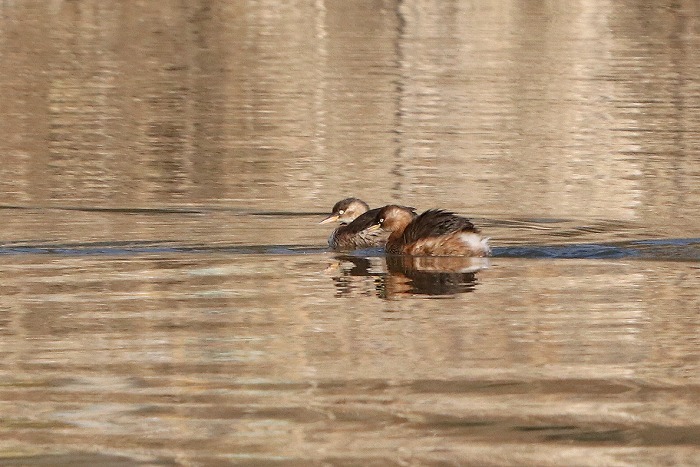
[381,221]
[342,211]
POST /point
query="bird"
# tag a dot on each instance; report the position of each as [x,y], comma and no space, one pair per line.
[355,217]
[436,232]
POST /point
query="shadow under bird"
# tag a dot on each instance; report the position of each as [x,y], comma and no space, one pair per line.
[436,232]
[355,218]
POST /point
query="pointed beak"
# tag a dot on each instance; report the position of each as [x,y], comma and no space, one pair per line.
[331,218]
[373,228]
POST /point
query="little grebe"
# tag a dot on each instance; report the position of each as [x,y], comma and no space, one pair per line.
[355,217]
[433,233]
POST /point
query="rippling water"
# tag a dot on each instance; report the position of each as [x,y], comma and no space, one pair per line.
[167,293]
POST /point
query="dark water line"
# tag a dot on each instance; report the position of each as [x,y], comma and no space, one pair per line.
[166,210]
[134,210]
[677,249]
[680,249]
[153,248]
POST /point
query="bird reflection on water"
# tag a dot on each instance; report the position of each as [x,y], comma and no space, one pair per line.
[351,273]
[404,275]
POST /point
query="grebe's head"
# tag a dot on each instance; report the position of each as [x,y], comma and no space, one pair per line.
[346,211]
[394,218]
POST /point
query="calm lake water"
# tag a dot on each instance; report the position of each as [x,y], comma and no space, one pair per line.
[167,296]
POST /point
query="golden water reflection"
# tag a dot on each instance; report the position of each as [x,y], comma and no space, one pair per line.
[491,109]
[203,358]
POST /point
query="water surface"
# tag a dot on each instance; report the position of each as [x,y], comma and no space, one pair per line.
[167,294]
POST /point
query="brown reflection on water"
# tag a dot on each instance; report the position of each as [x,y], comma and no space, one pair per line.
[432,276]
[489,109]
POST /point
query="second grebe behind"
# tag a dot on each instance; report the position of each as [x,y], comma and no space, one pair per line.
[356,218]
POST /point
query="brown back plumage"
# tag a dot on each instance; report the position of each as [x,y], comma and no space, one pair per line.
[435,223]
